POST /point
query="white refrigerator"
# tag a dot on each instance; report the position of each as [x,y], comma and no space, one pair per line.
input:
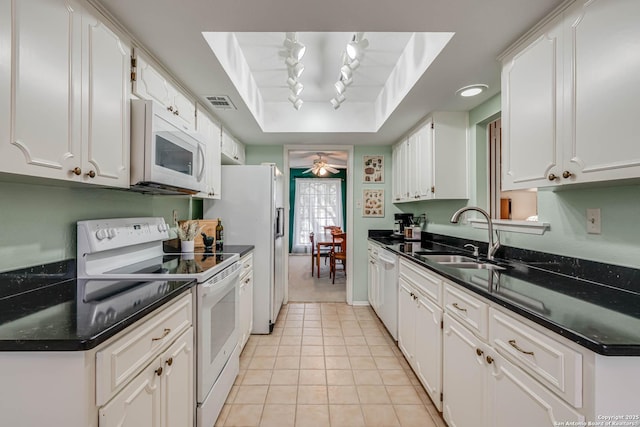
[252,213]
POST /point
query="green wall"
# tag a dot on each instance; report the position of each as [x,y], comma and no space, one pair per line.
[39,221]
[256,154]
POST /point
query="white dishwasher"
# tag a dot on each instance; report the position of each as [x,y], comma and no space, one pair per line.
[388,305]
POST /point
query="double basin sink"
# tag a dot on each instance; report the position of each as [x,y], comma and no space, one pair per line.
[455,260]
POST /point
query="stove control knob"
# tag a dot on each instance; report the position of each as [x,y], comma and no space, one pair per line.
[102,234]
[112,233]
[162,227]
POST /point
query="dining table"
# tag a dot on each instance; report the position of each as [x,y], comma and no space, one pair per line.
[324,239]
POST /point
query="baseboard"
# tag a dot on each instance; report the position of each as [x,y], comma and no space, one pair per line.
[360,303]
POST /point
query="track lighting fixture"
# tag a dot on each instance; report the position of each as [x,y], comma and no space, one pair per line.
[350,62]
[340,86]
[295,86]
[337,101]
[296,51]
[356,47]
[297,102]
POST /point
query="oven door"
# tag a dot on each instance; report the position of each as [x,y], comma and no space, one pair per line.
[217,329]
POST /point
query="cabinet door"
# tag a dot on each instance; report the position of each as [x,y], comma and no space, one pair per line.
[138,404]
[515,398]
[177,382]
[424,162]
[211,132]
[241,155]
[531,112]
[603,88]
[450,155]
[372,278]
[464,376]
[397,173]
[428,348]
[244,306]
[5,74]
[45,139]
[149,83]
[406,320]
[412,167]
[107,65]
[183,107]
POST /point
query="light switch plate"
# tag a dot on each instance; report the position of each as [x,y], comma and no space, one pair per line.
[594,223]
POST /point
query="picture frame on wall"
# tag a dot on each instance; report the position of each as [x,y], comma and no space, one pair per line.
[373,203]
[373,169]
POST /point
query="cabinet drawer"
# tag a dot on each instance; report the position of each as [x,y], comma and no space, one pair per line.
[549,361]
[468,309]
[123,359]
[247,265]
[427,283]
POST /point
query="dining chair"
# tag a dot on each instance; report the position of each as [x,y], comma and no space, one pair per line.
[324,252]
[338,253]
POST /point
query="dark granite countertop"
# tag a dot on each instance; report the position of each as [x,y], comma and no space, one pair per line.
[41,312]
[242,250]
[585,306]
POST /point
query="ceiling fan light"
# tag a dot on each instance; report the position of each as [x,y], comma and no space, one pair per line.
[322,171]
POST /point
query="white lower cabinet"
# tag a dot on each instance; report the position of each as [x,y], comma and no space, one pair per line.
[246,299]
[373,282]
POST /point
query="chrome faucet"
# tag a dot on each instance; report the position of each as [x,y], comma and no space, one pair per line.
[493,245]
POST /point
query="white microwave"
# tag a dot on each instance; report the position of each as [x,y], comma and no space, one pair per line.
[165,157]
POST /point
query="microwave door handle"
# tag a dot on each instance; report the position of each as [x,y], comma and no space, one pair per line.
[202,160]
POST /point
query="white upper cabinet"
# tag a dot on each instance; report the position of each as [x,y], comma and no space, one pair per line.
[233,151]
[5,72]
[150,84]
[211,131]
[69,116]
[432,162]
[569,98]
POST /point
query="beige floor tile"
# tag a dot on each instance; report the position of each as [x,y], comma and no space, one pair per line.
[346,324]
[244,362]
[383,362]
[257,377]
[240,377]
[343,395]
[331,324]
[351,332]
[380,416]
[373,394]
[338,362]
[248,350]
[422,394]
[346,416]
[312,323]
[288,331]
[222,417]
[381,350]
[291,340]
[367,377]
[278,416]
[394,377]
[295,317]
[312,339]
[403,362]
[339,377]
[293,324]
[287,362]
[332,332]
[312,416]
[277,329]
[289,350]
[403,395]
[355,341]
[244,416]
[312,377]
[358,350]
[333,341]
[266,350]
[413,416]
[377,340]
[312,350]
[269,340]
[368,324]
[251,394]
[312,395]
[262,362]
[335,350]
[232,394]
[312,362]
[311,332]
[285,376]
[282,394]
[363,362]
[312,316]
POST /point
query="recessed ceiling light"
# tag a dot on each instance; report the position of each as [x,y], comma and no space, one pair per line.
[472,90]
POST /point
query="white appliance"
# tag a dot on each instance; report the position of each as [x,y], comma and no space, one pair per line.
[166,158]
[252,213]
[388,304]
[131,249]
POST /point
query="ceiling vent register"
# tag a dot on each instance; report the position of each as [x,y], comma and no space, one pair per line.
[221,102]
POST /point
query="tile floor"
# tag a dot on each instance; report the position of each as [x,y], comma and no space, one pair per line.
[326,364]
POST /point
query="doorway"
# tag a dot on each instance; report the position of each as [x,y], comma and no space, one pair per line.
[319,185]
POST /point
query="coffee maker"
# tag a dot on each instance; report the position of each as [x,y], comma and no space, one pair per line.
[401,220]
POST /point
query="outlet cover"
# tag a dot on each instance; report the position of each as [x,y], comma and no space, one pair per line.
[594,223]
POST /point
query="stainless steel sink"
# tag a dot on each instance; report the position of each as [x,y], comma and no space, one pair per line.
[461,261]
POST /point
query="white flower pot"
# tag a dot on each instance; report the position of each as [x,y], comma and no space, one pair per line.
[187,245]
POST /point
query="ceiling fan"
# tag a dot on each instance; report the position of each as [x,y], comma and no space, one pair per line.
[321,167]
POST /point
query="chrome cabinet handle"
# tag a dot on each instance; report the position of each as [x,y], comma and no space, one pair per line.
[457,307]
[513,344]
[166,332]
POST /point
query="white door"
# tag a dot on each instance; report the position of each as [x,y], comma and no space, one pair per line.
[46,137]
[464,375]
[428,348]
[178,382]
[531,112]
[406,320]
[107,61]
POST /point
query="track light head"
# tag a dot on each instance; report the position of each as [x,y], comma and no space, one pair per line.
[340,86]
[297,102]
[296,70]
[345,72]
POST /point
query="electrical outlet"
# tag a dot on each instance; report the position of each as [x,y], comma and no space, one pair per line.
[593,221]
[175,216]
[358,204]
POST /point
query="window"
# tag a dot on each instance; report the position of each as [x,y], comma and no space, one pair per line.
[318,204]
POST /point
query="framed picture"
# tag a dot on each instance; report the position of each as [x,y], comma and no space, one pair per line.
[373,169]
[373,203]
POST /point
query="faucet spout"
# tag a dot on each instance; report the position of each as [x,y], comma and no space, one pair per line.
[493,244]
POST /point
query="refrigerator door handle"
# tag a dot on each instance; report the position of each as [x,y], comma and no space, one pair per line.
[279,222]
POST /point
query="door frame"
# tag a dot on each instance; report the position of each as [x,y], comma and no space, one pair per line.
[348,201]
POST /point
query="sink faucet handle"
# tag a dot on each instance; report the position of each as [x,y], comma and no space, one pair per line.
[475,249]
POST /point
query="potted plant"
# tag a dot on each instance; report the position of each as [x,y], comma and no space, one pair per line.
[187,232]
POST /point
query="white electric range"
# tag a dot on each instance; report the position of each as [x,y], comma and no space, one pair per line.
[131,248]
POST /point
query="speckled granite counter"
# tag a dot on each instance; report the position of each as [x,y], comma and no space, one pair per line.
[242,250]
[44,309]
[601,313]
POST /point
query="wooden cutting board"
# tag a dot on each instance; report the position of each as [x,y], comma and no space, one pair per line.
[208,227]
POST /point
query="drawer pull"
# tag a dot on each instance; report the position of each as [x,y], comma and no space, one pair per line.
[514,345]
[247,280]
[169,361]
[166,332]
[489,360]
[159,371]
[479,352]
[457,307]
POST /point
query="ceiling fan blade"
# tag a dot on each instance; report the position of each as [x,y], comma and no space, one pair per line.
[330,169]
[308,170]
